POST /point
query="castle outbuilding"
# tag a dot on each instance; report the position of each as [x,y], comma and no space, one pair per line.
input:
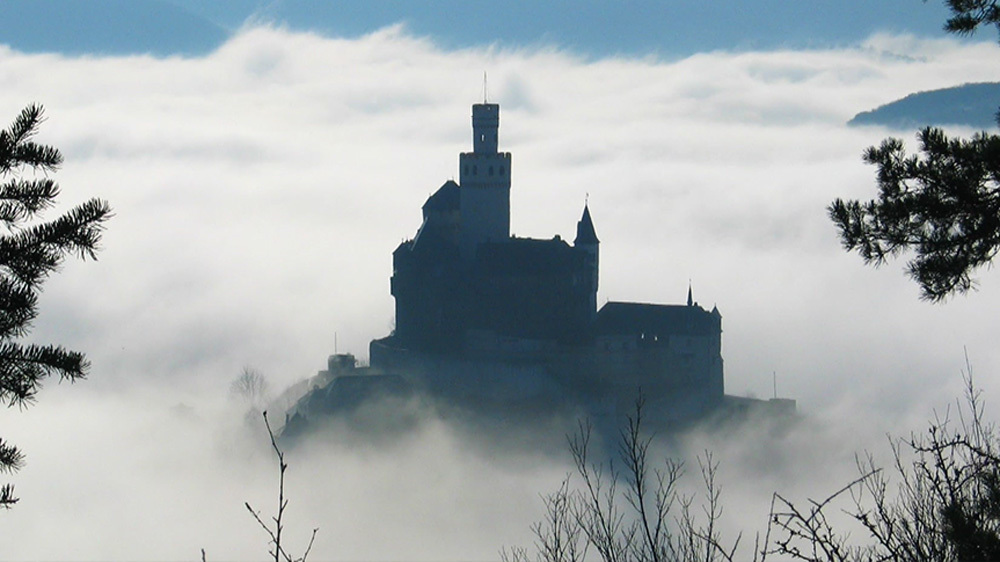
[488,317]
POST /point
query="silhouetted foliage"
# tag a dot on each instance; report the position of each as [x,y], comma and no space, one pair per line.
[938,501]
[967,15]
[29,252]
[943,205]
[635,514]
[943,505]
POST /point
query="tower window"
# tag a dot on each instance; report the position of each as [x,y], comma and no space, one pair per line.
[491,170]
[501,170]
[475,171]
[466,170]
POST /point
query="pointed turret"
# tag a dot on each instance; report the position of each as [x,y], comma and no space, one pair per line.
[585,234]
[690,296]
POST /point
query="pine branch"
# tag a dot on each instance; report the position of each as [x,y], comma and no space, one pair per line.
[28,254]
[25,125]
[77,231]
[970,14]
[11,459]
[7,498]
[21,199]
[22,369]
[31,254]
[16,149]
[942,205]
[18,308]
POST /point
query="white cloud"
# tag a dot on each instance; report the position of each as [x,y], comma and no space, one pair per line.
[260,191]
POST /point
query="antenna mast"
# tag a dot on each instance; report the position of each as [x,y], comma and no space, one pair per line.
[485,90]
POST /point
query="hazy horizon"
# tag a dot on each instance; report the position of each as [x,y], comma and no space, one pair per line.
[260,190]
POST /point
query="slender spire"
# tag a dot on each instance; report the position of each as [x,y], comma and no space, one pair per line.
[486,91]
[690,299]
[585,233]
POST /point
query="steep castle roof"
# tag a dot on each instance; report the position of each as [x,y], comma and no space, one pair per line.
[445,199]
[618,318]
[585,233]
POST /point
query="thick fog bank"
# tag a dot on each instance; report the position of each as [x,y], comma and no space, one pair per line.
[159,475]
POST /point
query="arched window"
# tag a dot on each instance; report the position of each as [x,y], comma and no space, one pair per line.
[501,170]
[475,170]
[491,170]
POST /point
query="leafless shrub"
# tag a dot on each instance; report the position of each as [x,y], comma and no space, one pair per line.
[942,504]
[633,514]
[251,388]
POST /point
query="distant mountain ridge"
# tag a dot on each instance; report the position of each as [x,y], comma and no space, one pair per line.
[972,105]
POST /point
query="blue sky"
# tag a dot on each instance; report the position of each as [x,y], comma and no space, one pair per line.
[601,27]
[593,28]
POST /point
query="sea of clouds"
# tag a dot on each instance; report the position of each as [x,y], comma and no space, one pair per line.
[259,192]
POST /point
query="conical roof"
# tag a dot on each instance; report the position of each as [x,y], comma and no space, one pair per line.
[585,229]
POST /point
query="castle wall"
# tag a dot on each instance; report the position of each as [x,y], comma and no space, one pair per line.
[431,302]
[679,381]
[677,384]
[474,383]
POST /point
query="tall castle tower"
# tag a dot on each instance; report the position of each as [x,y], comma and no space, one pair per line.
[484,177]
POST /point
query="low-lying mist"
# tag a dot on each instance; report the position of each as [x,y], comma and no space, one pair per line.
[159,474]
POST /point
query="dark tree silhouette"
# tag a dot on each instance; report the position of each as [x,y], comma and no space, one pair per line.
[967,15]
[943,205]
[940,500]
[30,251]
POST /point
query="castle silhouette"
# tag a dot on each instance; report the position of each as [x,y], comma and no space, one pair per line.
[488,319]
[507,329]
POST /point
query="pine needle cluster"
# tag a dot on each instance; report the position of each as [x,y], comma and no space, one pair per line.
[31,249]
[942,205]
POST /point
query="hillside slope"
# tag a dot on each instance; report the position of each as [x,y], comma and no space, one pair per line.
[972,105]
